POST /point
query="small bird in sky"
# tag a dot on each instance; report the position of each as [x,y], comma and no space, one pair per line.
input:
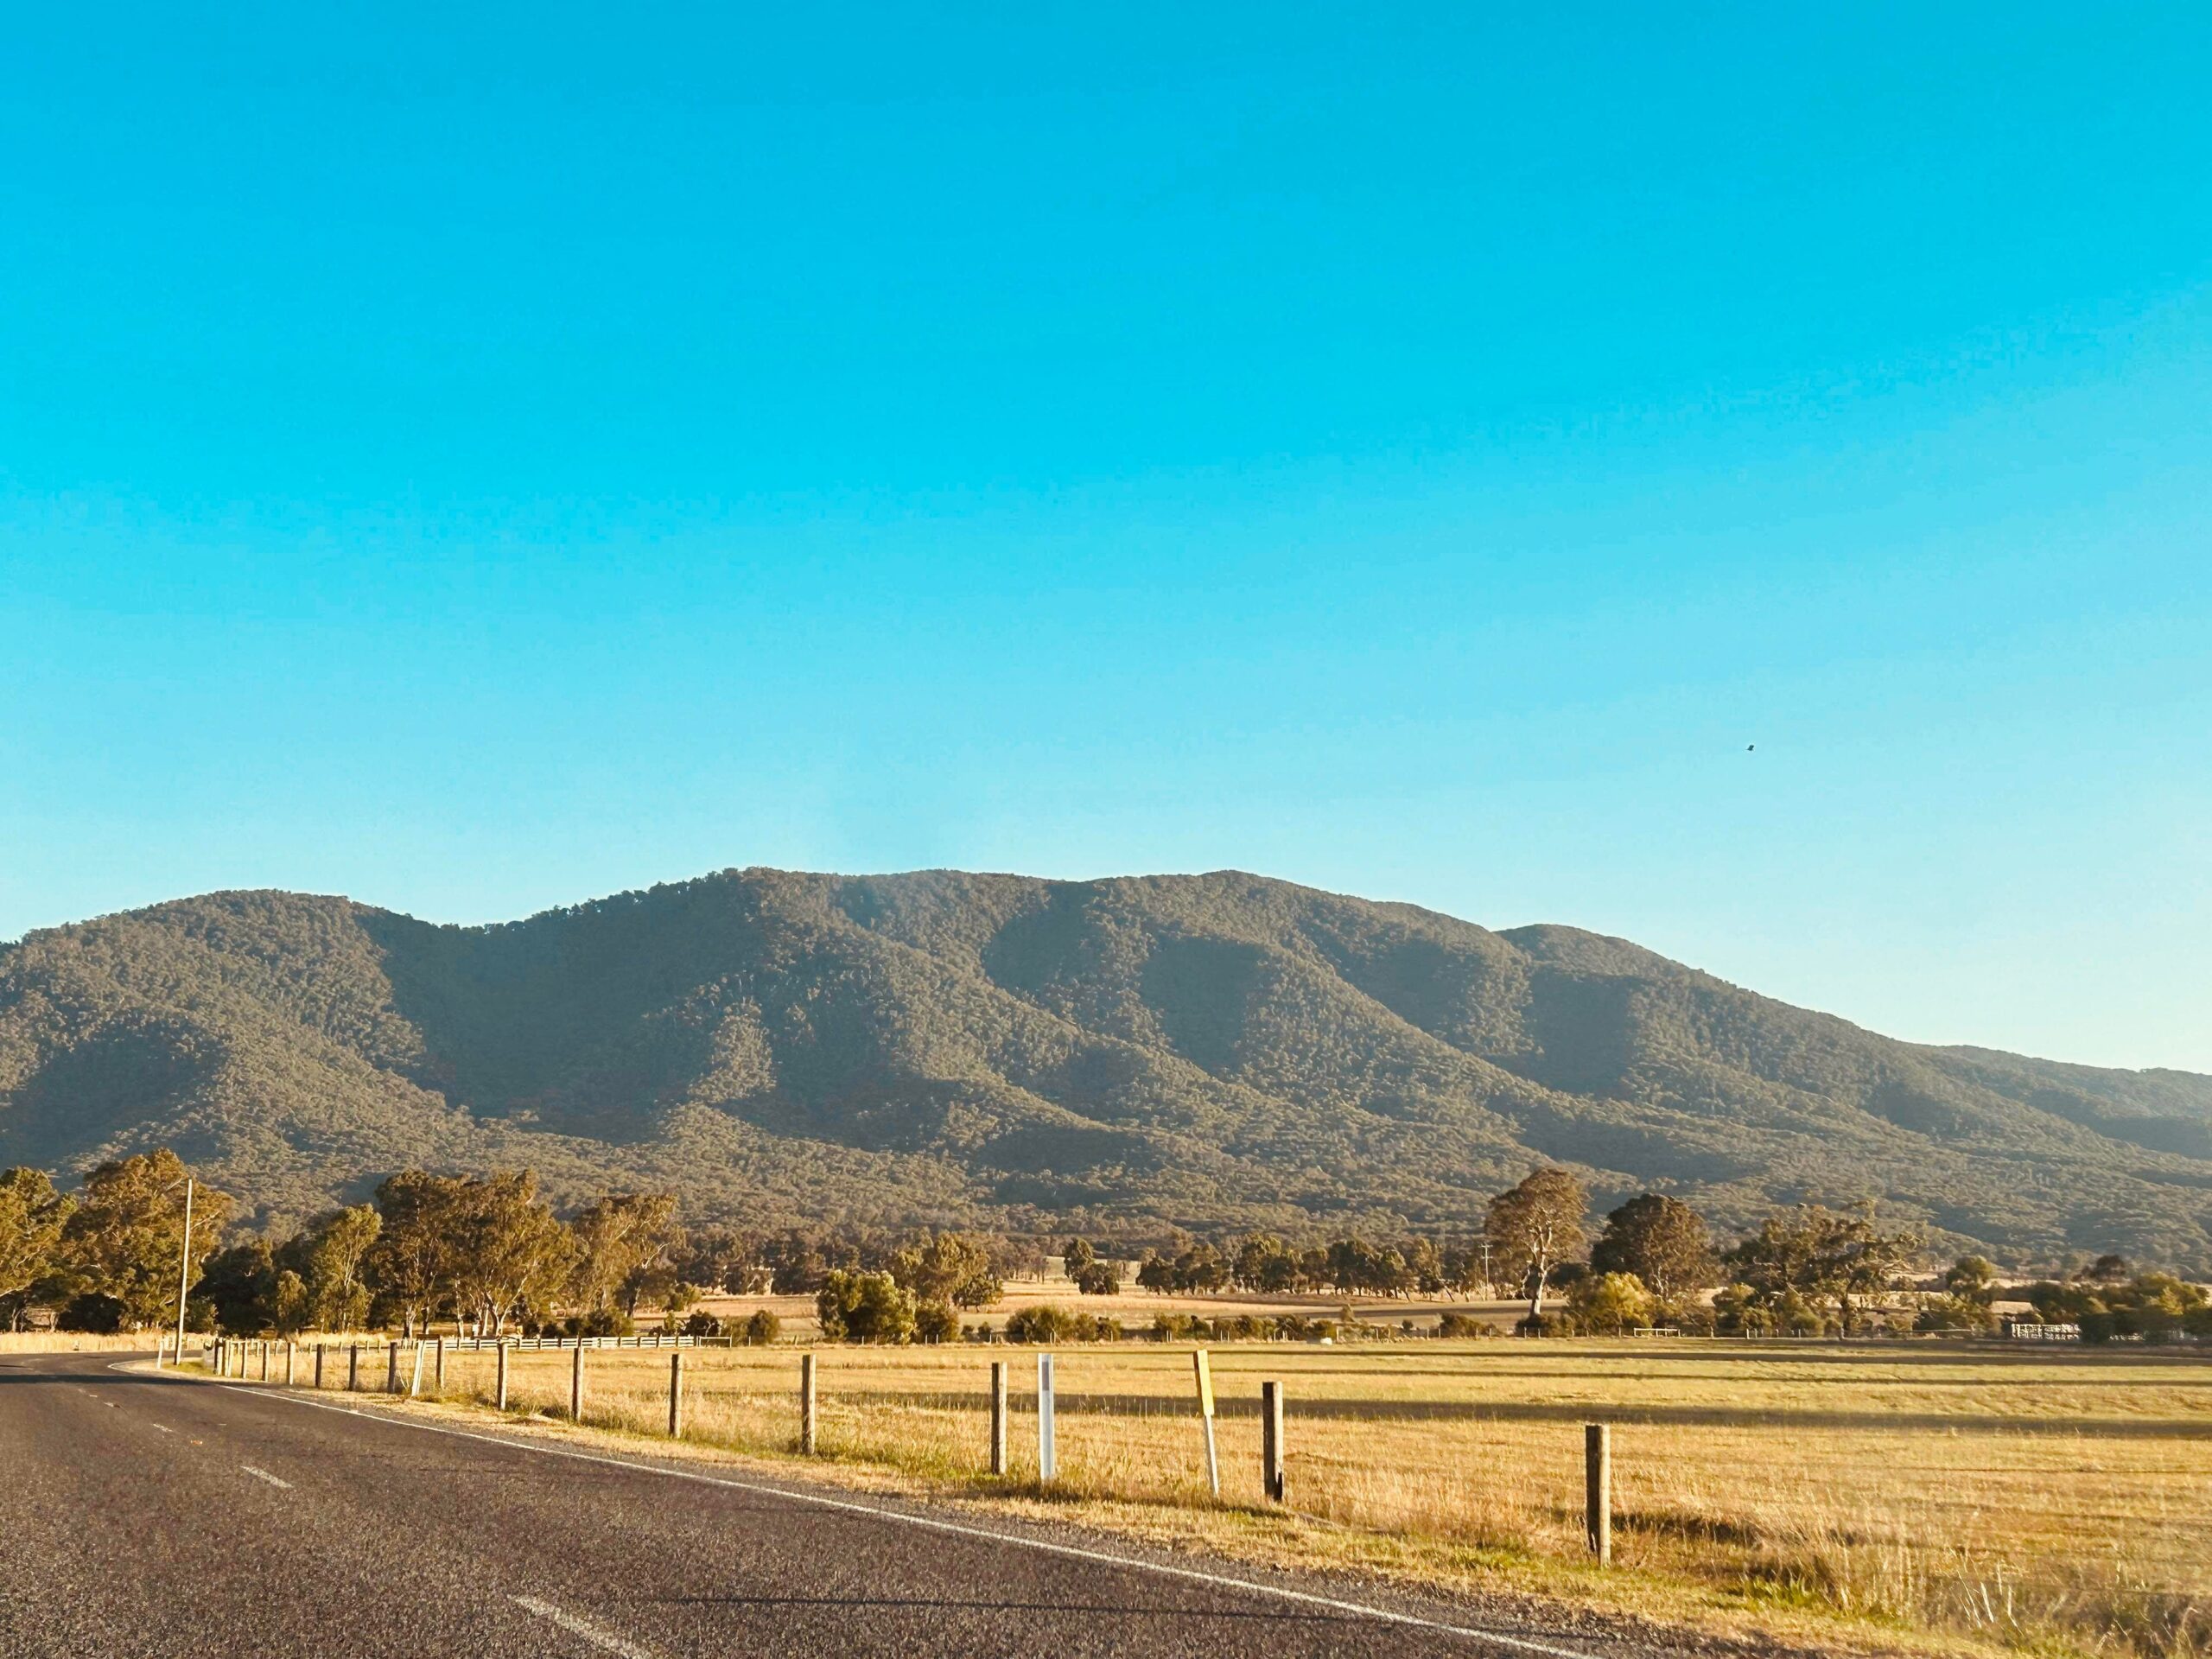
[1748,747]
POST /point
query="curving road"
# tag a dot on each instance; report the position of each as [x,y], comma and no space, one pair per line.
[149,1514]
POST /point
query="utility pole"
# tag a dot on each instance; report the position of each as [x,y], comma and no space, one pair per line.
[184,1270]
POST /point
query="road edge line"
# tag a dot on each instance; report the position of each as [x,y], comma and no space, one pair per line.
[960,1528]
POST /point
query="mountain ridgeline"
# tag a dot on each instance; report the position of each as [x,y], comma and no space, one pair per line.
[1119,1055]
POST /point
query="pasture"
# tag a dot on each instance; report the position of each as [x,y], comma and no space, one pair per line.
[2053,1498]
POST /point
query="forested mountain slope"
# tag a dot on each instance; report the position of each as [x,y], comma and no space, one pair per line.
[1119,1054]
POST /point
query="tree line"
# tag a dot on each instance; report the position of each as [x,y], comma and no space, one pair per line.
[489,1255]
[486,1253]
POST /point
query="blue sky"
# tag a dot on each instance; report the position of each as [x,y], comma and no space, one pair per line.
[474,466]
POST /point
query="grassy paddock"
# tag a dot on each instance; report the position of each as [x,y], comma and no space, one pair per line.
[74,1342]
[2062,1499]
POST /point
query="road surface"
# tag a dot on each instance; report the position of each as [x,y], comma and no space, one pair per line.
[157,1514]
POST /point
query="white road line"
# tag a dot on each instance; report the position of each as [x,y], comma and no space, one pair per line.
[596,1635]
[263,1474]
[964,1529]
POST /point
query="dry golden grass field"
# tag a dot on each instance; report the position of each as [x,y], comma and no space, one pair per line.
[2056,1500]
[71,1342]
[1135,1309]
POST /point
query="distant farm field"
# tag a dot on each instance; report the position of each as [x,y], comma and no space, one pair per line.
[2060,1497]
[72,1342]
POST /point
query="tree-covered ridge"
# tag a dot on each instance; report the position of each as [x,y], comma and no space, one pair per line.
[947,1049]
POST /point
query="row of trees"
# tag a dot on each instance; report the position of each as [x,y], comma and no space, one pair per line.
[1651,1260]
[115,1253]
[1649,1264]
[490,1253]
[487,1251]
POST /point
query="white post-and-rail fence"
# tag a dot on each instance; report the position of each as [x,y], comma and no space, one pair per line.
[252,1358]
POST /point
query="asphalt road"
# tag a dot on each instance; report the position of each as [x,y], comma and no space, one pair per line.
[151,1515]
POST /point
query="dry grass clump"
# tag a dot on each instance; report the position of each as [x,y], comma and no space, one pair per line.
[2062,1502]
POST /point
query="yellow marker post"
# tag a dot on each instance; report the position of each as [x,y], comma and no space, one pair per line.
[1202,1366]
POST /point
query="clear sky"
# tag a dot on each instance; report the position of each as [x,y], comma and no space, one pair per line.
[479,465]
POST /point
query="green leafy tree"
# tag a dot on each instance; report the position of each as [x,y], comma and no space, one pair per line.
[32,1217]
[864,1307]
[1046,1322]
[719,1259]
[126,1236]
[1264,1263]
[1536,1227]
[1201,1268]
[1100,1278]
[1661,1240]
[762,1329]
[333,1254]
[1813,1257]
[290,1308]
[1466,1271]
[412,1263]
[950,1267]
[1076,1254]
[627,1245]
[1425,1262]
[1610,1304]
[510,1253]
[1953,1311]
[1973,1277]
[240,1281]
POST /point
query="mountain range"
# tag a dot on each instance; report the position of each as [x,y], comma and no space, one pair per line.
[1125,1056]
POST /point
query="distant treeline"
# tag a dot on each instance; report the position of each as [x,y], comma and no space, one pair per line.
[489,1255]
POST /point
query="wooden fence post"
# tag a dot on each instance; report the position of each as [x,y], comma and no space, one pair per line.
[414,1382]
[676,1396]
[262,1343]
[806,1417]
[1272,1482]
[291,1361]
[576,1385]
[500,1401]
[998,1416]
[438,1376]
[1597,1489]
[392,1367]
[318,1365]
[352,1367]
